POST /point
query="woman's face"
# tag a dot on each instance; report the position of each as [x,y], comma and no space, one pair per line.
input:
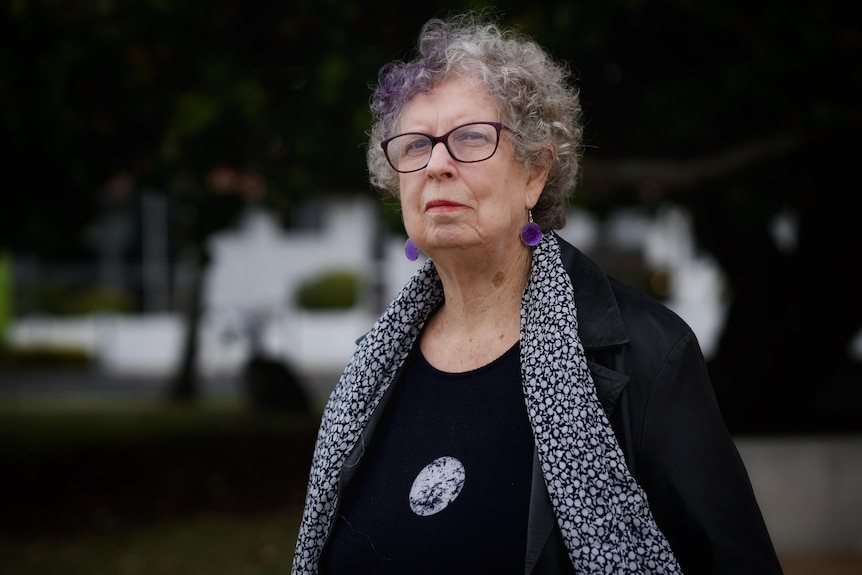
[455,205]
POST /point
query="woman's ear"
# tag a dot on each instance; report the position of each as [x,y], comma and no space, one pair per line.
[538,177]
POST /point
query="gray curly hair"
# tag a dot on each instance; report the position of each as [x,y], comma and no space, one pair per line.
[531,90]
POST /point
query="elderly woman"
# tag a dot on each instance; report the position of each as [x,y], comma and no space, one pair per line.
[514,410]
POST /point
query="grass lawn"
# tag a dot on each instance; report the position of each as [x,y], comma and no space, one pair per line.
[213,488]
[204,545]
[116,487]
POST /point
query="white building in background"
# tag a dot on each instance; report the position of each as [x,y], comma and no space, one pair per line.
[255,271]
[257,268]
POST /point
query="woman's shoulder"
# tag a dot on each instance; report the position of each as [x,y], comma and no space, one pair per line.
[615,311]
[641,310]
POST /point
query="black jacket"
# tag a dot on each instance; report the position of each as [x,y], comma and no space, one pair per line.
[651,378]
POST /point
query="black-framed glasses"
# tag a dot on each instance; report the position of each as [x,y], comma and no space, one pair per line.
[473,142]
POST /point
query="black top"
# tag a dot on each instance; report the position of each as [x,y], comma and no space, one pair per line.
[445,484]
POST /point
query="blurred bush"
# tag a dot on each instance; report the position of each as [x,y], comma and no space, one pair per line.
[333,289]
[63,300]
[42,356]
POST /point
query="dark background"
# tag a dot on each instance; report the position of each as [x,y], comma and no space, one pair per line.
[738,111]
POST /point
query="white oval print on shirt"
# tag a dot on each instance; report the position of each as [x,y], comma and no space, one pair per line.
[436,486]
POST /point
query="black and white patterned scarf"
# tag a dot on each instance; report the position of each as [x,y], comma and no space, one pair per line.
[601,510]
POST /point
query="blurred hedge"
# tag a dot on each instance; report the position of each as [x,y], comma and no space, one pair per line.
[44,356]
[334,289]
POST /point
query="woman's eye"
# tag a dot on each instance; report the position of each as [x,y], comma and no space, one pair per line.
[416,146]
[472,137]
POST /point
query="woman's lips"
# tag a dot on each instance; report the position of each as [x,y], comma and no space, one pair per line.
[442,206]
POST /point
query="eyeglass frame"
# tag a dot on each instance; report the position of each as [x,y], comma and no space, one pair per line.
[444,139]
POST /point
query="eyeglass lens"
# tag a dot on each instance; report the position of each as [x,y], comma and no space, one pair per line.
[469,143]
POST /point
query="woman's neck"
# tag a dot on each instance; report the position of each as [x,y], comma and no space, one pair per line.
[480,317]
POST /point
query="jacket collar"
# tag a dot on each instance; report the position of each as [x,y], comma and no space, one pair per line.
[600,323]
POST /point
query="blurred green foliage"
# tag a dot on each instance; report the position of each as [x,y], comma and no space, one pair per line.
[44,356]
[63,300]
[331,290]
[167,92]
[54,427]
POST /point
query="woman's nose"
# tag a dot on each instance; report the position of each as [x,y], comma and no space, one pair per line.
[441,161]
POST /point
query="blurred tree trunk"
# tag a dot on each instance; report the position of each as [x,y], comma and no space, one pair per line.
[201,213]
[185,384]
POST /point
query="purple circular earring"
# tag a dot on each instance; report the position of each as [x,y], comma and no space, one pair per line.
[531,233]
[411,250]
